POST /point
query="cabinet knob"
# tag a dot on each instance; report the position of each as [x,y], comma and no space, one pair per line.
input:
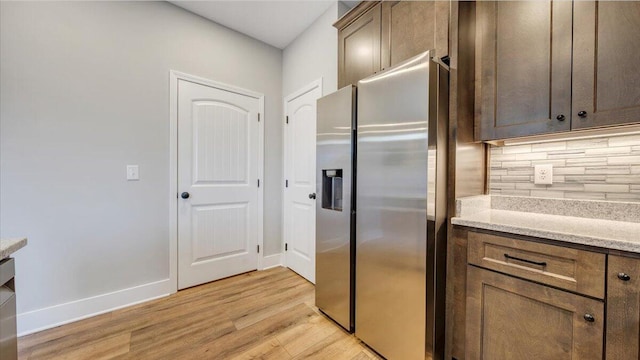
[624,277]
[560,117]
[582,114]
[184,195]
[589,318]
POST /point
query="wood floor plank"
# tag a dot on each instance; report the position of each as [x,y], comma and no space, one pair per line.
[181,335]
[259,315]
[270,349]
[337,346]
[271,306]
[237,342]
[299,338]
[61,331]
[24,354]
[361,356]
[105,348]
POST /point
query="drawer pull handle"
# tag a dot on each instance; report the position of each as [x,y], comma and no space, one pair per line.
[539,263]
[624,277]
[589,318]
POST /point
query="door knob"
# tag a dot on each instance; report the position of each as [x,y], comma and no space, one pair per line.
[184,195]
[582,114]
[312,196]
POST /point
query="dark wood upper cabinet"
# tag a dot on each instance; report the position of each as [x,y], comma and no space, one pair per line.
[359,48]
[523,68]
[553,66]
[378,35]
[407,30]
[606,63]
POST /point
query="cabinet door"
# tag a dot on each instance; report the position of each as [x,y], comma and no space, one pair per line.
[523,68]
[623,308]
[606,65]
[359,48]
[509,318]
[412,27]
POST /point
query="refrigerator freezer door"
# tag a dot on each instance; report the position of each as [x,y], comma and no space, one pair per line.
[334,247]
[391,227]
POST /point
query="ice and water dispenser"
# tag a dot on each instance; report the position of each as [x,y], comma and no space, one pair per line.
[332,189]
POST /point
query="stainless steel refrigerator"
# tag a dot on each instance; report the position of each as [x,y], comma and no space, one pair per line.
[401,200]
[335,228]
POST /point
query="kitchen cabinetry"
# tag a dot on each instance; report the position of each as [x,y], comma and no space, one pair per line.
[549,299]
[542,322]
[359,47]
[523,73]
[554,66]
[377,35]
[408,29]
[606,63]
[509,318]
[8,339]
[570,269]
[623,308]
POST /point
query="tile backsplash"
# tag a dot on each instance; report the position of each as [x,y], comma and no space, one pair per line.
[606,168]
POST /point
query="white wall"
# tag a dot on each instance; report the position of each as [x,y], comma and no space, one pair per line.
[314,54]
[84,92]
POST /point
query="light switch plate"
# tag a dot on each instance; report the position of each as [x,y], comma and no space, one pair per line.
[133,173]
[543,174]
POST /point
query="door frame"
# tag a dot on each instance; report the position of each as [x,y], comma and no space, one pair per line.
[174,77]
[301,91]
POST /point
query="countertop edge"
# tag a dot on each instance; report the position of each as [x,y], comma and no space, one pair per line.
[10,246]
[613,244]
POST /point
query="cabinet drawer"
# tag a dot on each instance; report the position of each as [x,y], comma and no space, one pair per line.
[571,269]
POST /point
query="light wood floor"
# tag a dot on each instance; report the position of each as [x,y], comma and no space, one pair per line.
[259,315]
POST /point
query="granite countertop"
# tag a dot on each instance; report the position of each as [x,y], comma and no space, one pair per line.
[9,246]
[611,225]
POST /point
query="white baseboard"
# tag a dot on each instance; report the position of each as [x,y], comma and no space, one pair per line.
[42,319]
[271,261]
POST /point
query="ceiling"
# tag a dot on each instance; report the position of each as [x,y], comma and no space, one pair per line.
[276,23]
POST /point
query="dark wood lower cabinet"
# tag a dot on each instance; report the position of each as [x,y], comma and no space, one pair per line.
[510,318]
[623,308]
[504,313]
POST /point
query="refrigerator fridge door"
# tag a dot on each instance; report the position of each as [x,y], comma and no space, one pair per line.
[334,210]
[401,149]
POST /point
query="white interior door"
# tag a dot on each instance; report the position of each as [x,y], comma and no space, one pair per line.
[218,166]
[300,181]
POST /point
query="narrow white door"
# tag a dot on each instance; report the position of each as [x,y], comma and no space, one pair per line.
[300,181]
[217,183]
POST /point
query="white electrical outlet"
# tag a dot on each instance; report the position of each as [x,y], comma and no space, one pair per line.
[132,172]
[543,174]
